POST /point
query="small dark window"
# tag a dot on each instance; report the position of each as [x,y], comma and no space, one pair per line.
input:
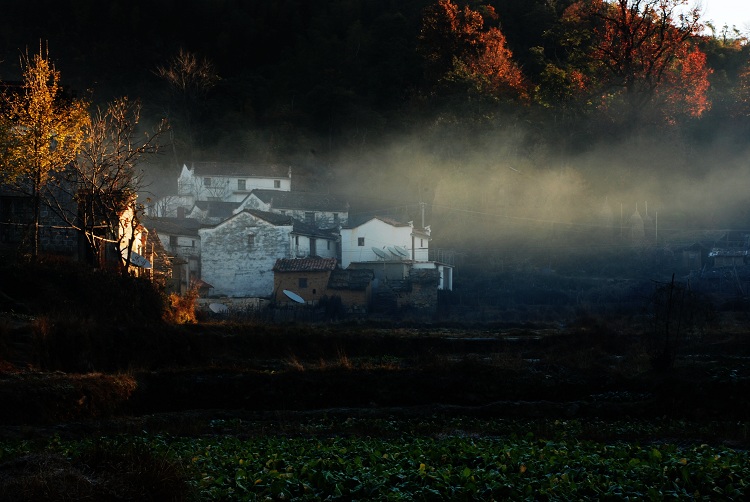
[421,243]
[173,241]
[192,244]
[277,183]
[360,241]
[328,245]
[241,185]
[250,240]
[296,240]
[206,182]
[335,218]
[302,282]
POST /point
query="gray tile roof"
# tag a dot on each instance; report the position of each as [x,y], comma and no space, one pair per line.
[173,226]
[240,169]
[217,209]
[272,218]
[302,228]
[306,201]
[305,265]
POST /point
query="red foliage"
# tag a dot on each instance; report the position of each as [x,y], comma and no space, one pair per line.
[456,42]
[639,56]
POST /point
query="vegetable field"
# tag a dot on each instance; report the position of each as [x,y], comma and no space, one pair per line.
[447,464]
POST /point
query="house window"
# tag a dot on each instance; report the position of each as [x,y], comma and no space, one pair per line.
[335,218]
[302,282]
[310,217]
[328,245]
[206,182]
[173,241]
[277,183]
[250,240]
[360,241]
[241,185]
[421,243]
[192,244]
[296,240]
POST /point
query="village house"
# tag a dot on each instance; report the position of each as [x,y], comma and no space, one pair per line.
[228,182]
[179,238]
[391,249]
[317,280]
[314,209]
[238,254]
[306,277]
[310,241]
[60,215]
[16,220]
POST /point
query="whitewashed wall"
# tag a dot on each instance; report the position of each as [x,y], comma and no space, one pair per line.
[381,235]
[232,266]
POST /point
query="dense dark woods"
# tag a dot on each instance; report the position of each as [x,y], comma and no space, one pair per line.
[301,79]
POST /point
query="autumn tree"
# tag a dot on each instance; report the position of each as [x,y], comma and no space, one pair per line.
[106,177]
[631,56]
[461,45]
[44,131]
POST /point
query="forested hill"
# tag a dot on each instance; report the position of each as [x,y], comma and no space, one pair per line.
[318,66]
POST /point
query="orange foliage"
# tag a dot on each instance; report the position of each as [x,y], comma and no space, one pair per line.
[456,42]
[182,307]
[687,89]
[638,55]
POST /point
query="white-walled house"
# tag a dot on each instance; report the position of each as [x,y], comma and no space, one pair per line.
[392,249]
[220,181]
[315,209]
[358,243]
[238,254]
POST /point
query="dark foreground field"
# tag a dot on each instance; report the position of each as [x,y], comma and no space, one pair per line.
[68,374]
[99,410]
[244,412]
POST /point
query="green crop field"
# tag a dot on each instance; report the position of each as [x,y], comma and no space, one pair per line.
[432,460]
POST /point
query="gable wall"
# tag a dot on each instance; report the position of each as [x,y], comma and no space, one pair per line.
[377,234]
[232,266]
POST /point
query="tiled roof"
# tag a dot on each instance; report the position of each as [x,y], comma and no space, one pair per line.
[384,219]
[272,218]
[305,201]
[304,265]
[174,226]
[302,228]
[240,169]
[217,209]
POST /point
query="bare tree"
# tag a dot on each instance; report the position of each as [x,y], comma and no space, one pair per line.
[189,78]
[106,178]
